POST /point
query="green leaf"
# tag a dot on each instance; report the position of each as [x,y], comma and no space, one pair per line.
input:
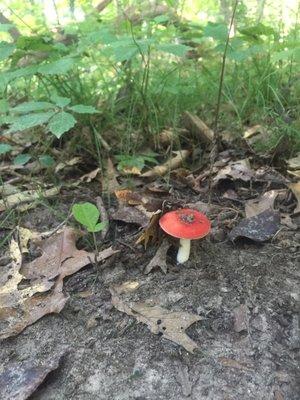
[257,30]
[60,101]
[160,19]
[4,106]
[99,227]
[216,31]
[61,123]
[6,49]
[46,160]
[5,148]
[287,55]
[22,159]
[88,215]
[30,121]
[177,49]
[82,109]
[34,43]
[57,67]
[32,106]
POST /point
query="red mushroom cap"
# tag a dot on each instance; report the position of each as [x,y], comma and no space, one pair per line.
[185,224]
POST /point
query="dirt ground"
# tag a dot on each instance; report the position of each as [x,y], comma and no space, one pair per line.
[246,294]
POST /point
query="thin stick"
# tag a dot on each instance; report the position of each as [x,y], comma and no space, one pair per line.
[214,150]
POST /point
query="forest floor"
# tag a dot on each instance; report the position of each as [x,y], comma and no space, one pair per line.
[246,295]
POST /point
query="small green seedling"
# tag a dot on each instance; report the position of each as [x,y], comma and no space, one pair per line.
[87,214]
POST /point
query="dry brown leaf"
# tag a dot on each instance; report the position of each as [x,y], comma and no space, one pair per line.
[132,215]
[159,259]
[25,235]
[295,188]
[89,176]
[150,234]
[129,197]
[27,196]
[294,163]
[235,170]
[110,183]
[252,131]
[126,287]
[229,362]
[150,204]
[69,163]
[30,291]
[60,256]
[173,163]
[131,171]
[296,173]
[170,324]
[256,206]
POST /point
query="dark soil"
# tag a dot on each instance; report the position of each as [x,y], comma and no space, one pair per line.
[248,338]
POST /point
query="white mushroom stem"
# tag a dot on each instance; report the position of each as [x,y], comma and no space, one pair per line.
[184,250]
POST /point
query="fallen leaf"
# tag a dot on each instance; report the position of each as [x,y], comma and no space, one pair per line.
[159,259]
[264,202]
[169,324]
[235,170]
[150,233]
[29,292]
[6,189]
[229,362]
[131,171]
[110,182]
[294,163]
[60,256]
[166,137]
[296,173]
[131,215]
[126,287]
[18,380]
[134,198]
[27,196]
[129,197]
[69,163]
[240,315]
[25,235]
[89,176]
[173,163]
[271,176]
[260,228]
[287,221]
[295,188]
[252,131]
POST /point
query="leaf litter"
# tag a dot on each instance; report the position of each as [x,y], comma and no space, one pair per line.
[18,380]
[170,325]
[33,289]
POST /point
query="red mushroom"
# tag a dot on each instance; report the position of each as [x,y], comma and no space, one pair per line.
[185,224]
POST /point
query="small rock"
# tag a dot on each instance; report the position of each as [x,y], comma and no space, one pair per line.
[91,323]
[259,323]
[240,314]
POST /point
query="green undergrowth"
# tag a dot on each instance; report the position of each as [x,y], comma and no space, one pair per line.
[121,83]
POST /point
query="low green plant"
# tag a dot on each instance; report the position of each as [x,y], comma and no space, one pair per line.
[87,214]
[127,162]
